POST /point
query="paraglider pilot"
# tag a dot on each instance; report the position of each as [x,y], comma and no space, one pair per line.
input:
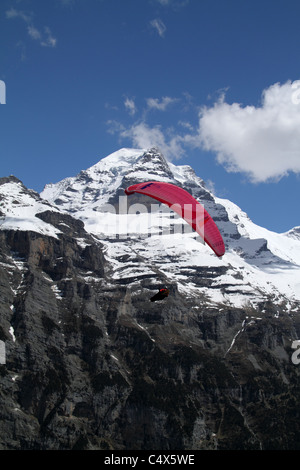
[161,294]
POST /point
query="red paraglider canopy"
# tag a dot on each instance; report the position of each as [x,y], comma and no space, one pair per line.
[186,206]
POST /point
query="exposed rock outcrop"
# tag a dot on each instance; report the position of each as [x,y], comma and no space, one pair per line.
[91,363]
[95,367]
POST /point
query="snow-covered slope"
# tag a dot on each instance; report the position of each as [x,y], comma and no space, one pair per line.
[258,264]
[143,239]
[19,207]
[93,187]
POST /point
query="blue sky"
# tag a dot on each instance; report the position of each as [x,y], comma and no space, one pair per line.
[213,83]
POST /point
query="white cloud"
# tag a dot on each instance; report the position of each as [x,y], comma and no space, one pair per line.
[263,142]
[33,32]
[143,136]
[114,127]
[130,105]
[159,26]
[186,125]
[48,40]
[12,13]
[161,105]
[44,37]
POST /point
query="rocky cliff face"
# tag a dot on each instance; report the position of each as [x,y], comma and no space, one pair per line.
[92,364]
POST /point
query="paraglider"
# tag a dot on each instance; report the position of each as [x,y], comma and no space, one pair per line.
[161,294]
[186,206]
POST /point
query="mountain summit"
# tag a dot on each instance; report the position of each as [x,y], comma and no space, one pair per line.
[258,264]
[98,185]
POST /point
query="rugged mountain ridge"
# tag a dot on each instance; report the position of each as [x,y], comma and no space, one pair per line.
[92,364]
[258,263]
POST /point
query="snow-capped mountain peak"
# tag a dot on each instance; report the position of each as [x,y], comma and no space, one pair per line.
[99,183]
[96,185]
[257,262]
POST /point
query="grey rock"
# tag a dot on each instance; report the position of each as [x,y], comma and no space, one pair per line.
[91,363]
